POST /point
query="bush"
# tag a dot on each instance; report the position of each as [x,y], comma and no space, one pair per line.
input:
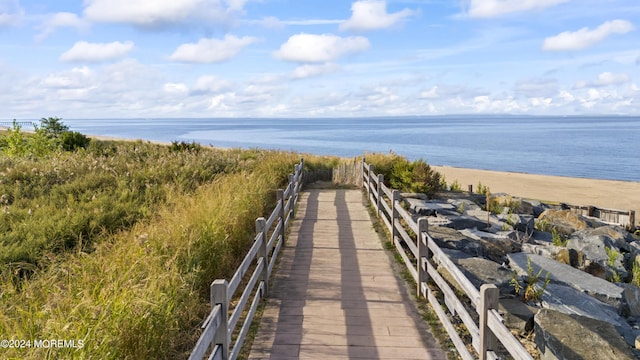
[404,175]
[72,140]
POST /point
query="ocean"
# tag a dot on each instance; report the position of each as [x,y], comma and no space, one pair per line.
[606,147]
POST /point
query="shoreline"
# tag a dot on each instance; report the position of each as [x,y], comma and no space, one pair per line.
[611,194]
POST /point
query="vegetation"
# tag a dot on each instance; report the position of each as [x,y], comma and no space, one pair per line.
[116,244]
[529,288]
[482,189]
[404,175]
[558,239]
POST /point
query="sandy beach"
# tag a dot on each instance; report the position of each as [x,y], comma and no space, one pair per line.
[622,195]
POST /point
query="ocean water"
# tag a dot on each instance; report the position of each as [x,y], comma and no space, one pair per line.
[589,147]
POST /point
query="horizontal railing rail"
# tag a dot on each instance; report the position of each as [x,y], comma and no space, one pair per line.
[420,254]
[221,339]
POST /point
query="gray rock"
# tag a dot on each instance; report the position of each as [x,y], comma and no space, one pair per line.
[426,207]
[463,204]
[573,302]
[503,240]
[524,223]
[561,336]
[536,206]
[631,295]
[449,238]
[465,222]
[517,315]
[482,271]
[564,274]
[600,248]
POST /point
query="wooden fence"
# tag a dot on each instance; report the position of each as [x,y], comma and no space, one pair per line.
[625,218]
[419,253]
[221,339]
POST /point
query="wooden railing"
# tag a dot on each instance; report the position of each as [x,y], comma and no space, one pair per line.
[624,218]
[419,253]
[220,337]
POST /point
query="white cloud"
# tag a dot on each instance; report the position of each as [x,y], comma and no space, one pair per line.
[61,19]
[430,94]
[311,70]
[493,8]
[83,51]
[78,77]
[209,84]
[372,15]
[175,88]
[536,88]
[10,13]
[584,38]
[320,48]
[604,79]
[159,13]
[211,50]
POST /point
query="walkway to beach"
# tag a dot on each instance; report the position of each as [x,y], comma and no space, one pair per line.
[335,294]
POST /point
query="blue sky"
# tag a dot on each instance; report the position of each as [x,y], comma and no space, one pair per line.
[286,58]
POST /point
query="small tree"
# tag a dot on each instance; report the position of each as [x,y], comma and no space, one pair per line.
[16,143]
[53,126]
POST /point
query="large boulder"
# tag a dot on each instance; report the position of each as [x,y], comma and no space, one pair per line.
[459,222]
[428,207]
[560,336]
[564,274]
[446,237]
[505,242]
[524,223]
[606,251]
[482,271]
[573,302]
[517,315]
[564,221]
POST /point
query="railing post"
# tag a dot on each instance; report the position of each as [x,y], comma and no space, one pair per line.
[488,300]
[362,168]
[370,180]
[632,220]
[379,190]
[280,198]
[292,194]
[470,189]
[261,231]
[423,252]
[220,295]
[395,201]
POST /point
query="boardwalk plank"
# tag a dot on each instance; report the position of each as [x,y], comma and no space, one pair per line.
[335,295]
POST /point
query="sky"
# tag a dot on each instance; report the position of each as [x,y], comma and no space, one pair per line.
[322,58]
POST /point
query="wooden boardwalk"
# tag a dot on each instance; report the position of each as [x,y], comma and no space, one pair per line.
[336,294]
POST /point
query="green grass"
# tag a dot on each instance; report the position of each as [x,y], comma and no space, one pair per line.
[147,230]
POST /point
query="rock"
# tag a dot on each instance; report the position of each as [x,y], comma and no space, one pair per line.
[501,240]
[428,208]
[449,238]
[524,223]
[548,251]
[631,296]
[601,249]
[536,206]
[564,274]
[465,222]
[573,302]
[455,255]
[561,336]
[516,205]
[517,315]
[420,196]
[638,342]
[610,233]
[571,257]
[463,205]
[564,221]
[482,271]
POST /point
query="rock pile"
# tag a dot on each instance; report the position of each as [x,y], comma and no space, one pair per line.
[590,308]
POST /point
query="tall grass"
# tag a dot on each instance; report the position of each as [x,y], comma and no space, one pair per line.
[143,291]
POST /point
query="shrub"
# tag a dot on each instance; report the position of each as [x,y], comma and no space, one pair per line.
[72,140]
